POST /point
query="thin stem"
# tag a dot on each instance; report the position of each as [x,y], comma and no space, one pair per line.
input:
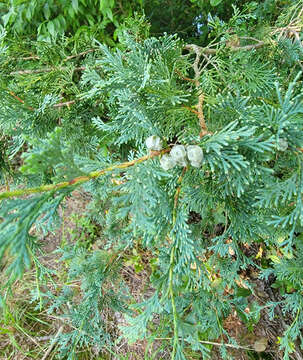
[190,109]
[46,70]
[33,57]
[171,267]
[53,343]
[207,50]
[215,344]
[197,50]
[80,54]
[172,297]
[184,77]
[62,104]
[21,101]
[66,103]
[79,180]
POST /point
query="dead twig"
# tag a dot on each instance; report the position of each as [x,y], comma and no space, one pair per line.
[209,51]
[204,51]
[53,343]
[293,27]
[45,70]
[44,338]
[33,57]
[80,179]
[184,77]
[190,109]
[67,103]
[248,47]
[202,123]
[62,104]
[21,101]
[80,54]
[217,344]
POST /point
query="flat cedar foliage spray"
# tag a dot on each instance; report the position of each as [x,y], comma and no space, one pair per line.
[188,147]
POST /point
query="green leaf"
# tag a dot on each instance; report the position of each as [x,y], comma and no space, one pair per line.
[242,292]
[75,5]
[6,18]
[109,14]
[46,11]
[15,230]
[62,23]
[29,13]
[215,2]
[51,28]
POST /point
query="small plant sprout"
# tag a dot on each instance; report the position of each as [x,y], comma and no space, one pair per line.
[167,162]
[195,155]
[282,144]
[154,143]
[178,153]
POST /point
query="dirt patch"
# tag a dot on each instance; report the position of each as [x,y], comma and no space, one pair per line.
[74,204]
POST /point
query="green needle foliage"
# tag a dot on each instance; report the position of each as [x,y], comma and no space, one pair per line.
[82,122]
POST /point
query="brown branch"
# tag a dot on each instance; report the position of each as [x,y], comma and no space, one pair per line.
[249,38]
[204,51]
[80,179]
[67,103]
[26,72]
[53,343]
[80,54]
[215,344]
[202,123]
[45,70]
[209,51]
[208,61]
[62,104]
[33,57]
[184,77]
[21,101]
[190,109]
[248,47]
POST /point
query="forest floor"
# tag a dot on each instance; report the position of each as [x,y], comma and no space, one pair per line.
[28,331]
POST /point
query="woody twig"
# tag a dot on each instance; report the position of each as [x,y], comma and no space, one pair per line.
[59,105]
[21,101]
[81,179]
[202,123]
[45,70]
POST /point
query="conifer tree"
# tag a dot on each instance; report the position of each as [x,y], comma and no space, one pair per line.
[192,151]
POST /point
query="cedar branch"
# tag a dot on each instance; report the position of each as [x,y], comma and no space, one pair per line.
[79,180]
[35,57]
[203,51]
[53,343]
[190,109]
[45,70]
[210,51]
[215,344]
[80,54]
[197,71]
[21,101]
[67,103]
[171,268]
[62,104]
